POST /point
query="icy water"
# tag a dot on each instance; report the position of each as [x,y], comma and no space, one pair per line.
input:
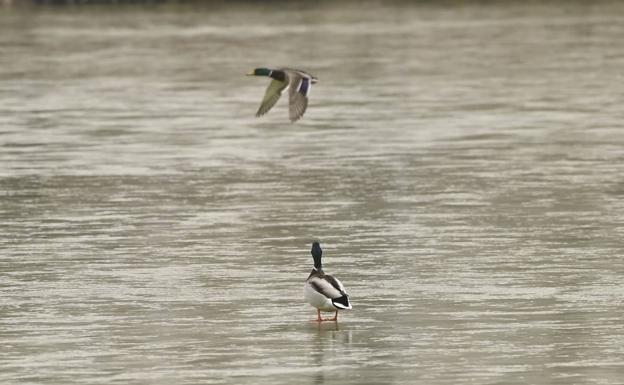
[462,166]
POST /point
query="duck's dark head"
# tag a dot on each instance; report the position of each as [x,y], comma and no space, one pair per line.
[317,253]
[260,72]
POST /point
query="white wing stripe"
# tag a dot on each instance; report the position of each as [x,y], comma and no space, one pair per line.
[339,284]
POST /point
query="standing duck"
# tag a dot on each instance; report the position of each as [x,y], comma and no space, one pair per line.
[298,82]
[323,291]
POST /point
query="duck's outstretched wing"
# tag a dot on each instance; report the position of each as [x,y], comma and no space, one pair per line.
[272,95]
[300,85]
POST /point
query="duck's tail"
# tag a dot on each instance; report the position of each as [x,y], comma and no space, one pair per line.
[342,302]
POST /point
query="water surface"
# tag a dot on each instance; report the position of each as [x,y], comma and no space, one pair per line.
[461,164]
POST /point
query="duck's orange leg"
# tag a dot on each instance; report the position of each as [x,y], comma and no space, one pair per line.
[320,319]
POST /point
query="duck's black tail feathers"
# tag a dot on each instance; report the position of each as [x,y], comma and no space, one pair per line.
[342,302]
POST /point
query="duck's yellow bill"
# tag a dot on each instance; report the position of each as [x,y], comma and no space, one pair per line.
[250,73]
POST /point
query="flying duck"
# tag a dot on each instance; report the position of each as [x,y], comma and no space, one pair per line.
[297,82]
[323,291]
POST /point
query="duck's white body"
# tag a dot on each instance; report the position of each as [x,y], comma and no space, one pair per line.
[317,299]
[322,301]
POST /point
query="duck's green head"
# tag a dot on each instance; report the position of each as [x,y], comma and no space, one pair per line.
[317,253]
[260,72]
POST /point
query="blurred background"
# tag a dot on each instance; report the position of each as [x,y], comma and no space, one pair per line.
[461,163]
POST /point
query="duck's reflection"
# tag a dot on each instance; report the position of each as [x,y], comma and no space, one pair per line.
[330,339]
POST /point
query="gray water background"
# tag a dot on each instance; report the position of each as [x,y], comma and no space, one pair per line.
[461,163]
